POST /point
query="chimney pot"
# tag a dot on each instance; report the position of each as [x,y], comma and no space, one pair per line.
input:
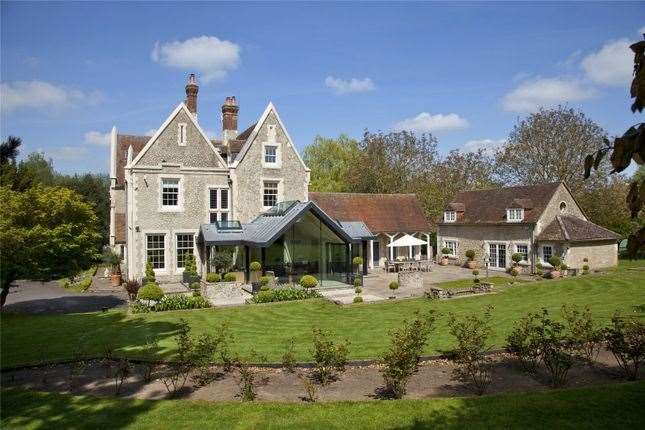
[191,94]
[230,110]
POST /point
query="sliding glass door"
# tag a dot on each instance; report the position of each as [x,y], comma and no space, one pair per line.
[497,255]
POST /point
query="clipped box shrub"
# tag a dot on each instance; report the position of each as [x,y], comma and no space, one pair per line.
[180,302]
[308,281]
[284,294]
[230,277]
[195,286]
[213,277]
[264,280]
[150,291]
[358,299]
[393,285]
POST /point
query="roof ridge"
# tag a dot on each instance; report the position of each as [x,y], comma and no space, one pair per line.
[562,227]
[362,194]
[511,187]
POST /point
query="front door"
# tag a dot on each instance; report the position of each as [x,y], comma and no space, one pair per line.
[497,254]
[376,252]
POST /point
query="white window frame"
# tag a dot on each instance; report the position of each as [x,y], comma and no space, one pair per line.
[528,249]
[180,194]
[278,155]
[176,248]
[514,215]
[218,210]
[449,216]
[166,252]
[545,261]
[278,195]
[182,134]
[508,248]
[445,242]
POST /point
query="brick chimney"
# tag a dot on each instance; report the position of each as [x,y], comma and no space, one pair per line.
[229,118]
[191,94]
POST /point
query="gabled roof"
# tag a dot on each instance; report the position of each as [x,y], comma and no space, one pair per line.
[123,142]
[248,141]
[382,213]
[489,206]
[179,108]
[569,228]
[268,227]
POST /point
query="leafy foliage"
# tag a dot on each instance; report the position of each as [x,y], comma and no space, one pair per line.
[357,299]
[555,349]
[285,294]
[150,271]
[190,265]
[150,291]
[625,339]
[524,341]
[584,336]
[393,285]
[328,356]
[255,266]
[308,281]
[401,360]
[289,357]
[470,254]
[230,277]
[179,302]
[213,277]
[222,261]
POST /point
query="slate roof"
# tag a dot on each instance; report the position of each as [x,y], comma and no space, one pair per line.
[489,206]
[119,232]
[569,228]
[267,228]
[382,213]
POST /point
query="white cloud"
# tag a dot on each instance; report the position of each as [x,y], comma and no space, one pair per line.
[211,57]
[489,146]
[68,153]
[43,95]
[424,122]
[98,138]
[342,86]
[613,64]
[530,95]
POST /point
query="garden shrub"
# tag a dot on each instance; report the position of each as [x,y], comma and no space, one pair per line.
[401,361]
[265,280]
[310,388]
[150,291]
[555,344]
[190,265]
[393,286]
[123,370]
[470,254]
[195,286]
[583,334]
[358,282]
[230,277]
[328,356]
[222,261]
[514,272]
[555,261]
[255,266]
[132,288]
[137,307]
[150,360]
[177,371]
[264,288]
[358,290]
[247,374]
[445,251]
[472,333]
[308,281]
[525,340]
[204,353]
[585,269]
[289,357]
[564,267]
[150,272]
[358,262]
[213,277]
[285,294]
[625,338]
[177,302]
[357,299]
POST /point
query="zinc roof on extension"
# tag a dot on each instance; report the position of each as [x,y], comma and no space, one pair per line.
[489,206]
[382,213]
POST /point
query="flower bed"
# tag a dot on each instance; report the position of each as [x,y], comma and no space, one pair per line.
[171,303]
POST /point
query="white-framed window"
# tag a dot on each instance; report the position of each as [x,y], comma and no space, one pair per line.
[218,204]
[184,243]
[523,249]
[514,214]
[450,216]
[547,252]
[170,193]
[156,250]
[269,194]
[181,134]
[452,246]
[270,154]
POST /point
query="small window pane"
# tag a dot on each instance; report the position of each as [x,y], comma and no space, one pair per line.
[270,197]
[170,192]
[155,250]
[224,199]
[547,252]
[270,154]
[184,247]
[213,198]
[523,249]
[213,217]
[224,216]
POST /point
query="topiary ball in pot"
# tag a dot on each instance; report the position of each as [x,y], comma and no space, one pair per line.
[150,291]
[358,299]
[255,266]
[195,286]
[358,282]
[230,277]
[264,280]
[308,281]
[358,290]
[213,277]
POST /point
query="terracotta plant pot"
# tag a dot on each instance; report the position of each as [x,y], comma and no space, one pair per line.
[443,262]
[115,279]
[471,264]
[555,274]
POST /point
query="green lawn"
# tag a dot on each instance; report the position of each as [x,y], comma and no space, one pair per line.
[616,406]
[266,328]
[497,281]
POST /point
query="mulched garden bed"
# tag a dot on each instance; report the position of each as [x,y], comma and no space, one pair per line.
[434,379]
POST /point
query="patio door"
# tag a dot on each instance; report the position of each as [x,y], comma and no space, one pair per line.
[377,252]
[497,255]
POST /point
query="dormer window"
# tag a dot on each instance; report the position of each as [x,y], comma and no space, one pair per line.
[181,134]
[514,214]
[450,216]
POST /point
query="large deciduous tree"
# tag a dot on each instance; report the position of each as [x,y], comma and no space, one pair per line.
[549,145]
[44,232]
[330,160]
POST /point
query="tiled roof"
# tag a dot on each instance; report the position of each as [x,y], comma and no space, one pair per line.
[569,228]
[119,232]
[382,213]
[489,206]
[246,133]
[123,141]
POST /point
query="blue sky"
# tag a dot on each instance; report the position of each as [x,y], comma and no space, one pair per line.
[463,71]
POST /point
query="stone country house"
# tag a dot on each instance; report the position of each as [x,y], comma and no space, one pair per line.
[179,192]
[537,221]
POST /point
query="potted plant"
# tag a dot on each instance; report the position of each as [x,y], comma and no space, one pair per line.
[444,257]
[539,269]
[113,259]
[556,262]
[255,267]
[470,262]
[190,274]
[585,267]
[393,287]
[150,273]
[514,272]
[476,276]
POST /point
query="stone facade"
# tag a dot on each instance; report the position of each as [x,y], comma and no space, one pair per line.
[561,194]
[599,255]
[250,173]
[410,280]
